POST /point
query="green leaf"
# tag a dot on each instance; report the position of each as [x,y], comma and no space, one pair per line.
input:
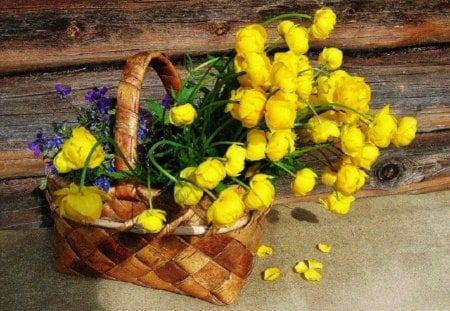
[157,109]
[43,184]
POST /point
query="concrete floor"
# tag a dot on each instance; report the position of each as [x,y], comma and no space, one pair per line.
[389,253]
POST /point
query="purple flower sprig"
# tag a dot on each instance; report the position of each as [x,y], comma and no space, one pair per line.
[63,91]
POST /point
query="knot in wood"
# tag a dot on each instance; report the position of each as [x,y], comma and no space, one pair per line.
[72,30]
[388,171]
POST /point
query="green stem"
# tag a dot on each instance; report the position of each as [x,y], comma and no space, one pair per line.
[284,168]
[367,117]
[91,152]
[285,16]
[156,164]
[149,189]
[306,150]
[227,143]
[217,131]
[240,182]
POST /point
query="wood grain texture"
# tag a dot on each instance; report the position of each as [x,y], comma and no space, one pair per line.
[400,47]
[42,34]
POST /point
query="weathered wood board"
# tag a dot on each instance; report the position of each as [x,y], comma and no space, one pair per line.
[401,47]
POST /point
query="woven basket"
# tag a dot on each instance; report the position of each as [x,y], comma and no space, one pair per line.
[187,256]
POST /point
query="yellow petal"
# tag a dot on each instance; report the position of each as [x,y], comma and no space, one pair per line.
[312,275]
[301,267]
[314,264]
[324,248]
[264,250]
[271,274]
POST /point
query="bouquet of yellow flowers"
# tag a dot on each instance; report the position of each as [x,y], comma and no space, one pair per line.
[228,131]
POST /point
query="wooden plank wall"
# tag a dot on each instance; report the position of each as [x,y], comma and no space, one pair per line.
[400,46]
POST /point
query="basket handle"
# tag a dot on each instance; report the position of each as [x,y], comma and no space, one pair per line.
[128,95]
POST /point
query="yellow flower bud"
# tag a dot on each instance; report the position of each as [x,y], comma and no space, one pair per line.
[185,192]
[182,115]
[235,163]
[322,129]
[331,58]
[251,107]
[284,27]
[367,156]
[251,39]
[304,182]
[257,68]
[76,149]
[323,24]
[349,179]
[256,145]
[338,203]
[209,173]
[80,204]
[280,144]
[352,140]
[383,128]
[261,194]
[284,78]
[328,176]
[227,208]
[281,111]
[297,40]
[406,131]
[354,92]
[152,220]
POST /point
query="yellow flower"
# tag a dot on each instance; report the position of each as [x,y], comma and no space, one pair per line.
[324,248]
[271,274]
[354,92]
[406,131]
[251,39]
[251,107]
[367,156]
[352,140]
[280,144]
[264,250]
[182,115]
[209,173]
[350,179]
[323,24]
[331,58]
[76,149]
[284,27]
[304,182]
[185,192]
[283,77]
[80,204]
[297,40]
[256,145]
[326,86]
[257,68]
[328,176]
[281,111]
[227,208]
[322,129]
[152,220]
[338,203]
[383,128]
[235,163]
[312,275]
[261,194]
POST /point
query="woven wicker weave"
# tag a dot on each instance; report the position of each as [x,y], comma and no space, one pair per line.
[212,266]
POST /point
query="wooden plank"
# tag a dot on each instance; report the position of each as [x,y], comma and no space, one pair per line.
[39,34]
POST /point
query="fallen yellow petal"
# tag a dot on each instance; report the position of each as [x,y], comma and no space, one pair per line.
[301,267]
[324,248]
[314,264]
[271,274]
[264,250]
[312,275]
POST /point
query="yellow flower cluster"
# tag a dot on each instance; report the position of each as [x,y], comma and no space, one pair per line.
[234,200]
